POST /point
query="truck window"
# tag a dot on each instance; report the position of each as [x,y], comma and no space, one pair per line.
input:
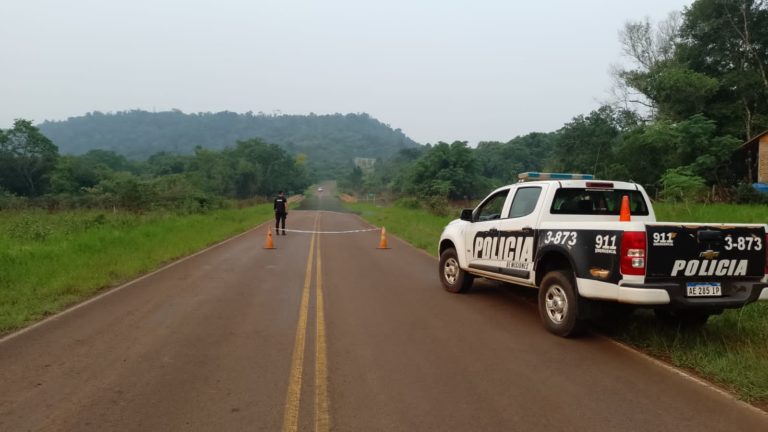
[597,202]
[524,202]
[491,208]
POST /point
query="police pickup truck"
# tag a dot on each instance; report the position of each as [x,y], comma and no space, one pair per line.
[587,244]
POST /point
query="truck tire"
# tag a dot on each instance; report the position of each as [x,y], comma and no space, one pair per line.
[559,305]
[453,278]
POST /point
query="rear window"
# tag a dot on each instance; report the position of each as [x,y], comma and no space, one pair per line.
[597,202]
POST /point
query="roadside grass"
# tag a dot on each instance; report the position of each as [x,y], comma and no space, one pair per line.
[731,350]
[418,227]
[731,213]
[50,261]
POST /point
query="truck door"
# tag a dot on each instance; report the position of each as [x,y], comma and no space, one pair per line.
[481,237]
[517,233]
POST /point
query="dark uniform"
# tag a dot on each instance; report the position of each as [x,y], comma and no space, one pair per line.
[280,212]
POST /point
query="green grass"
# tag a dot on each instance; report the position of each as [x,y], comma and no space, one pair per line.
[418,227]
[50,261]
[731,350]
[731,213]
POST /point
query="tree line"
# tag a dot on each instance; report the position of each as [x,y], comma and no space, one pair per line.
[329,141]
[695,89]
[34,173]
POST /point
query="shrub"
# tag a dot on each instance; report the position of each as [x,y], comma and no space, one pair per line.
[438,205]
[744,193]
[412,203]
[9,201]
[680,184]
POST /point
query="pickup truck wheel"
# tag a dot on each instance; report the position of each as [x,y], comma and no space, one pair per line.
[453,278]
[559,305]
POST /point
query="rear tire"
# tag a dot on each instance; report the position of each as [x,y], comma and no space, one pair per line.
[453,278]
[559,305]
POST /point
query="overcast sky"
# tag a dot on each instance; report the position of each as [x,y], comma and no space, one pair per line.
[440,70]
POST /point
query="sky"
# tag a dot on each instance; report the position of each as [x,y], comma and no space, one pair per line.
[439,70]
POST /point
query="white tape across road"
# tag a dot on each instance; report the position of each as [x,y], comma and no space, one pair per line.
[330,232]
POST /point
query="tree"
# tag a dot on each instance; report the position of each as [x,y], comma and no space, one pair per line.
[163,163]
[728,41]
[676,91]
[27,158]
[109,160]
[208,171]
[354,180]
[329,141]
[73,173]
[647,46]
[681,184]
[502,162]
[445,170]
[647,152]
[586,144]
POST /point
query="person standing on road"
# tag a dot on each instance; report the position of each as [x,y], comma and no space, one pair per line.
[280,212]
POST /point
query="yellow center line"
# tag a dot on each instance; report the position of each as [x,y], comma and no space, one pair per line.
[291,413]
[322,415]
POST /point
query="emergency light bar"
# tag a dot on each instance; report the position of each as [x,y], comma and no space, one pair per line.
[533,175]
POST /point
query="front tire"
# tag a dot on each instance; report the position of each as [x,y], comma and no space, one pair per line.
[453,278]
[559,305]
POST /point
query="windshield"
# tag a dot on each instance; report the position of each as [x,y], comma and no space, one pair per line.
[597,202]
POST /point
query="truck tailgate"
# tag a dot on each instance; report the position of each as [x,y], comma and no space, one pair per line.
[705,252]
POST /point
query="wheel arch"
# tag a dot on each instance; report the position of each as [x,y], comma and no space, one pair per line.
[445,244]
[448,243]
[554,259]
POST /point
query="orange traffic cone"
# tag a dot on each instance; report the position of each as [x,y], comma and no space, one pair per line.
[268,244]
[383,239]
[624,215]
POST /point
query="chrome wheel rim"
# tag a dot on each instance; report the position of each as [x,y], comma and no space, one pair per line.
[451,270]
[556,304]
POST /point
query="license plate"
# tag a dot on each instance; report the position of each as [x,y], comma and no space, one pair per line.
[704,289]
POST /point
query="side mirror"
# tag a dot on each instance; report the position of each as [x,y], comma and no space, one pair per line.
[466,215]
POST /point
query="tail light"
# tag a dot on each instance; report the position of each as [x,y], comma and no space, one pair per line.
[633,253]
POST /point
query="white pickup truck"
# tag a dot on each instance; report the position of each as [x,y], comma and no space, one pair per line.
[562,233]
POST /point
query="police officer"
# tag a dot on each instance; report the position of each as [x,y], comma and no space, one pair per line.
[280,211]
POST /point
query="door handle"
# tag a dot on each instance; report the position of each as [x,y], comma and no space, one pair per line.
[527,230]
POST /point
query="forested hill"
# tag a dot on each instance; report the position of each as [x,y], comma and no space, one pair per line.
[329,141]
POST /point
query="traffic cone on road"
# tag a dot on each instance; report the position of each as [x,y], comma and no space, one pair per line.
[268,244]
[383,239]
[624,215]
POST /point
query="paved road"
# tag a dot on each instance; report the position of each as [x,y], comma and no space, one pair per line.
[328,332]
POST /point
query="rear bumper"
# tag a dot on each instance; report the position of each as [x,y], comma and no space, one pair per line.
[735,294]
[643,295]
[640,295]
[764,295]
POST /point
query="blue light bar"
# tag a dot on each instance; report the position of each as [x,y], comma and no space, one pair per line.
[534,175]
